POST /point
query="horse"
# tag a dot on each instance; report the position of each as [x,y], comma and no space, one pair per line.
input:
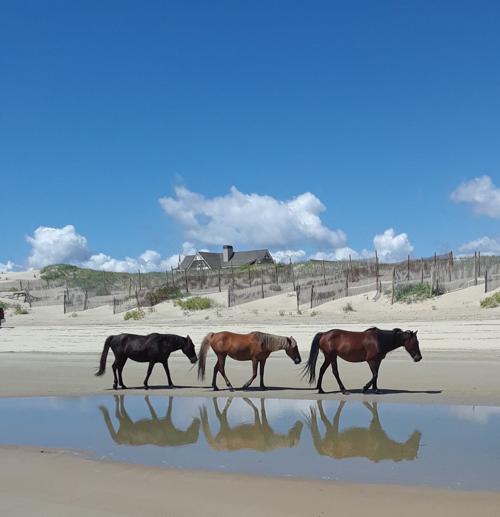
[259,435]
[255,347]
[359,442]
[154,431]
[371,346]
[152,349]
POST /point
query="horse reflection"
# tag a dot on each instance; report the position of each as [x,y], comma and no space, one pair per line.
[154,431]
[371,442]
[258,436]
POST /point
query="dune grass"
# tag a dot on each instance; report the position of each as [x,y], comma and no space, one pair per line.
[196,303]
[490,302]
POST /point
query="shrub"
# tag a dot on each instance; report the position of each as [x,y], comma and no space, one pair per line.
[162,294]
[136,314]
[491,301]
[281,313]
[411,293]
[196,303]
[275,287]
[20,310]
[4,305]
[348,308]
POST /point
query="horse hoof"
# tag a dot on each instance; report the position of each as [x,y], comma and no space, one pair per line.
[321,392]
[377,392]
[365,389]
[346,392]
[124,387]
[115,386]
[216,388]
[146,387]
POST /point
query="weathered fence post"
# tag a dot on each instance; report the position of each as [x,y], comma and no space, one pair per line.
[475,268]
[277,275]
[186,281]
[324,275]
[350,265]
[262,282]
[297,293]
[229,296]
[140,284]
[376,269]
[232,276]
[393,283]
[312,295]
[85,300]
[486,281]
[219,280]
[173,277]
[114,305]
[479,263]
[347,283]
[408,269]
[64,302]
[421,270]
[293,273]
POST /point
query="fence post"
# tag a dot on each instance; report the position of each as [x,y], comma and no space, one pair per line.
[297,293]
[293,274]
[393,283]
[232,276]
[277,276]
[219,280]
[475,268]
[173,277]
[85,300]
[486,281]
[350,265]
[376,269]
[229,296]
[324,275]
[347,283]
[421,270]
[114,305]
[312,295]
[186,281]
[479,263]
[262,282]
[64,302]
[408,269]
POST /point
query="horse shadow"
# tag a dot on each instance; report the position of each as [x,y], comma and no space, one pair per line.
[259,435]
[160,431]
[370,442]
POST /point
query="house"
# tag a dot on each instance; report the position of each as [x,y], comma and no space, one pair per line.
[228,258]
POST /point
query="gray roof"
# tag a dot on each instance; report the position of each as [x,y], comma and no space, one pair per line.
[239,258]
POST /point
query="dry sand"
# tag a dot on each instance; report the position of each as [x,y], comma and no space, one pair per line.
[49,353]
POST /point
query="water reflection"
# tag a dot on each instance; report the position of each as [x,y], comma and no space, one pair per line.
[370,442]
[152,431]
[259,435]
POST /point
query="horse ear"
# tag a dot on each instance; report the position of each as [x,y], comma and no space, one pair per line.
[415,333]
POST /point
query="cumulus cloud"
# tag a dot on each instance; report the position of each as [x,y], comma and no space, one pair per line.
[338,254]
[284,256]
[482,194]
[65,245]
[391,247]
[251,219]
[56,245]
[9,266]
[486,245]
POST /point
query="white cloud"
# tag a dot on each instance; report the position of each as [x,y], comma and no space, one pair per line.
[482,194]
[476,414]
[251,219]
[9,266]
[284,256]
[486,245]
[56,245]
[338,254]
[65,245]
[391,247]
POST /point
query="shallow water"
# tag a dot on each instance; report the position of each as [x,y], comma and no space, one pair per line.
[444,446]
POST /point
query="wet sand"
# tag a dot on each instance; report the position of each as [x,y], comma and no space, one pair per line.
[54,483]
[454,377]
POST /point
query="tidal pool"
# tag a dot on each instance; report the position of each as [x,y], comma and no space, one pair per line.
[444,446]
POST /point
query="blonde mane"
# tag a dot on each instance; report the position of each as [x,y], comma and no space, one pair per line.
[271,342]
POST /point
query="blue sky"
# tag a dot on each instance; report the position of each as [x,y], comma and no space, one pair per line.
[380,110]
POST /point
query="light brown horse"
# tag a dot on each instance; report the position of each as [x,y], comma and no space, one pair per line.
[255,347]
[259,435]
[371,346]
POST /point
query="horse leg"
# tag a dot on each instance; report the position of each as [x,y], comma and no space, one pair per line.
[254,374]
[150,369]
[121,364]
[167,371]
[214,378]
[222,362]
[262,365]
[374,365]
[335,371]
[115,381]
[322,371]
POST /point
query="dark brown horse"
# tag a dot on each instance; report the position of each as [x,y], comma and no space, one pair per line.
[371,346]
[152,349]
[255,347]
[359,442]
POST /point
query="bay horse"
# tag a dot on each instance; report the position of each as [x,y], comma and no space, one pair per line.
[152,349]
[255,347]
[371,346]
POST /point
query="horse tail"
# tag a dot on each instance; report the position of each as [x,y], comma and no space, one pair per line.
[104,356]
[310,367]
[202,357]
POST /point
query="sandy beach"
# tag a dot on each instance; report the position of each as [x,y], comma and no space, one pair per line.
[47,353]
